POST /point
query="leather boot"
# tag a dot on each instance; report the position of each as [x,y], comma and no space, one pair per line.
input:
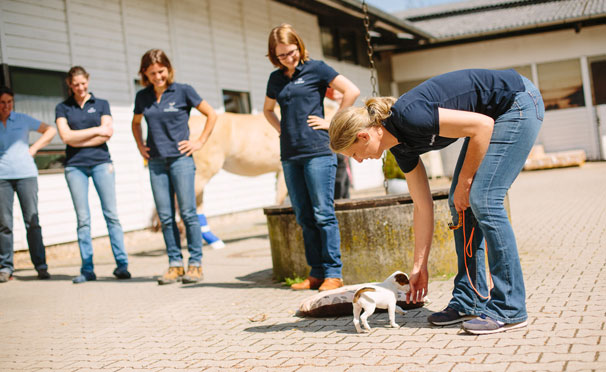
[309,283]
[331,283]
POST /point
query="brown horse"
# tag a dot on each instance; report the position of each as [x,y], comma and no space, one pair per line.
[243,144]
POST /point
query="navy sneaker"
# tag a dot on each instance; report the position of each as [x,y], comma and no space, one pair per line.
[448,316]
[84,278]
[43,274]
[486,325]
[122,273]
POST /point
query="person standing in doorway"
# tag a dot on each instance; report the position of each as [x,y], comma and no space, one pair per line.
[85,125]
[18,173]
[299,85]
[166,105]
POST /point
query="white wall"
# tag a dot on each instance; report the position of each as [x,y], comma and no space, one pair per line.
[213,45]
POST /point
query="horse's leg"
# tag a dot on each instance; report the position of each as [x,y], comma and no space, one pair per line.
[208,165]
[281,190]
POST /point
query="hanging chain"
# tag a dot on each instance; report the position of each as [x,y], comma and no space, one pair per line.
[369,50]
[373,75]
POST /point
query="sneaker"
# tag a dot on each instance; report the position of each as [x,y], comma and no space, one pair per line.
[309,283]
[448,316]
[122,273]
[88,277]
[173,275]
[43,274]
[486,325]
[4,276]
[331,283]
[194,275]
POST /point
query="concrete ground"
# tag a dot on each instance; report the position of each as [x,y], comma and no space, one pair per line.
[238,319]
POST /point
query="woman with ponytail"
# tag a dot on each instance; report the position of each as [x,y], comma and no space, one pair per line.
[85,125]
[499,113]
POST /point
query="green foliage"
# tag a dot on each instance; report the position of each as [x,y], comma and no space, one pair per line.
[391,169]
[290,281]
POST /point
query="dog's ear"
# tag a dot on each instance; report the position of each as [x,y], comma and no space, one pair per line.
[402,279]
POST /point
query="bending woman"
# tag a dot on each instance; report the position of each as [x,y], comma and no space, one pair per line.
[85,125]
[299,85]
[499,113]
[168,149]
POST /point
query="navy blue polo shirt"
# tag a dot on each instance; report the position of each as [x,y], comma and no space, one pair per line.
[167,120]
[298,97]
[83,118]
[414,119]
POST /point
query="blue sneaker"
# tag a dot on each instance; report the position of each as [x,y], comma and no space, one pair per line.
[486,325]
[448,316]
[122,273]
[84,278]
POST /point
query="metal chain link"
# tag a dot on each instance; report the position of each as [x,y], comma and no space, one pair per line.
[369,50]
[373,75]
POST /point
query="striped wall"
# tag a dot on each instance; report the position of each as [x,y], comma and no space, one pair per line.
[213,44]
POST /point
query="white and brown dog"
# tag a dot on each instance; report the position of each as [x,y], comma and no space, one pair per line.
[382,295]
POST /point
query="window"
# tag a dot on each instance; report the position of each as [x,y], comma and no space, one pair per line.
[37,92]
[598,79]
[561,84]
[341,44]
[237,102]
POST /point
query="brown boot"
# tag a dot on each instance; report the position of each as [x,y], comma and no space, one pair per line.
[173,275]
[309,283]
[194,275]
[331,283]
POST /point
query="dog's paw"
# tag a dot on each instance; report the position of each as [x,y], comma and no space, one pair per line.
[394,325]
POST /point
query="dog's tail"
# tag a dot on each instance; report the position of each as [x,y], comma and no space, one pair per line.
[360,291]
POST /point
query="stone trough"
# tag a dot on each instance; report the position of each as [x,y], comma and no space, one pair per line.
[376,238]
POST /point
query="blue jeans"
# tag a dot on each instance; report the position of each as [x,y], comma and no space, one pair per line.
[27,192]
[513,136]
[104,180]
[311,183]
[169,177]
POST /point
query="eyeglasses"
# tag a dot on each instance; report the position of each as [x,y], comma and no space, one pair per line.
[289,54]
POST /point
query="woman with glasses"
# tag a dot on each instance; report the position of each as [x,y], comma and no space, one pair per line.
[299,85]
[165,105]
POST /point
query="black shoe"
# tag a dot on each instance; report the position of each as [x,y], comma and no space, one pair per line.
[43,274]
[122,273]
[448,316]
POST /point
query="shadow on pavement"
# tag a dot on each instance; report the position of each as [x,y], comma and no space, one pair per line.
[105,279]
[344,324]
[258,279]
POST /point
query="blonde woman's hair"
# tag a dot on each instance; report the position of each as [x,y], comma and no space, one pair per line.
[347,123]
[284,34]
[151,57]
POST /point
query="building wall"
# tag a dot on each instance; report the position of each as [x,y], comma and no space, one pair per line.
[562,129]
[213,45]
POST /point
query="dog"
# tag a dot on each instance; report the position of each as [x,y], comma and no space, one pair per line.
[382,295]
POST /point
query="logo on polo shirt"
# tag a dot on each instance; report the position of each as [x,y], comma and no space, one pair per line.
[299,81]
[171,107]
[91,110]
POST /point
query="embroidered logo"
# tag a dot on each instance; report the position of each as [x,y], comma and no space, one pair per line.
[91,110]
[299,81]
[433,140]
[171,107]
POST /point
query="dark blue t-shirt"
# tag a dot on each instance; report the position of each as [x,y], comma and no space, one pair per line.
[298,97]
[414,119]
[83,118]
[167,120]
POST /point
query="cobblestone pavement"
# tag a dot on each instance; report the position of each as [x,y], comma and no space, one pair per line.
[239,320]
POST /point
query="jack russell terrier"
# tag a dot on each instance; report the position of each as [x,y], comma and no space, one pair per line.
[382,295]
